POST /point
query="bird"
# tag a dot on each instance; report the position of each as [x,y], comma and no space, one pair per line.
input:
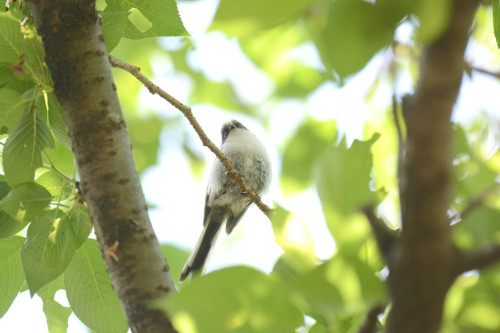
[224,201]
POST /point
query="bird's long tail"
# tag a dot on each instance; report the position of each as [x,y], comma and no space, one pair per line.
[197,259]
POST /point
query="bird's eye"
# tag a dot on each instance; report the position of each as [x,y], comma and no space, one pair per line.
[225,133]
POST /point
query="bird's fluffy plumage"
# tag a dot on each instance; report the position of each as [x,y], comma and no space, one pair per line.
[224,201]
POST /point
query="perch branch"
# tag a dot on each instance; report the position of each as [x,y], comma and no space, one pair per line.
[186,110]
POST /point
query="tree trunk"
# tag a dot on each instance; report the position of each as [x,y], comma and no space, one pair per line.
[78,61]
[423,261]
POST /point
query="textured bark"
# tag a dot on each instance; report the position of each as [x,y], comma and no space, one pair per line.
[423,263]
[78,61]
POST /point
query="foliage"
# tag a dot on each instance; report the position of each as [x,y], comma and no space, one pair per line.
[44,228]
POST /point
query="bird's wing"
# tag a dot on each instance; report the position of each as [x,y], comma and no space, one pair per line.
[232,221]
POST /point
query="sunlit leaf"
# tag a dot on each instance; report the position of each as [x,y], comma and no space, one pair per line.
[57,185]
[496,20]
[433,18]
[11,271]
[472,175]
[23,149]
[480,227]
[353,32]
[26,201]
[89,292]
[159,18]
[176,258]
[8,225]
[11,38]
[56,314]
[79,220]
[56,121]
[113,27]
[236,299]
[240,17]
[292,234]
[303,151]
[49,247]
[344,177]
[12,108]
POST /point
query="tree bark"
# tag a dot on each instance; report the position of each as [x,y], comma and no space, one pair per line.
[422,264]
[78,61]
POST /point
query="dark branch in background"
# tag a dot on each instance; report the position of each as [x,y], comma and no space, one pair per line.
[384,235]
[186,110]
[479,259]
[401,146]
[471,67]
[423,269]
[479,200]
[371,322]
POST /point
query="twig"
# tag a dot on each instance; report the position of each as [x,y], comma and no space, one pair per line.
[484,71]
[371,320]
[479,200]
[397,121]
[479,259]
[401,147]
[384,235]
[186,110]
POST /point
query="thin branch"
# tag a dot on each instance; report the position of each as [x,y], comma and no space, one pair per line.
[371,321]
[479,200]
[484,71]
[186,110]
[401,147]
[479,259]
[397,121]
[385,236]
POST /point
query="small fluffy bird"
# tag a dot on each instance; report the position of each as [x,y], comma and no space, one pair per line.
[224,201]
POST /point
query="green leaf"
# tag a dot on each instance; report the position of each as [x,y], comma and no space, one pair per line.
[343,286]
[480,302]
[317,296]
[433,18]
[56,314]
[144,135]
[56,121]
[496,21]
[302,152]
[11,271]
[26,202]
[89,291]
[8,225]
[243,18]
[292,234]
[344,177]
[58,186]
[79,220]
[23,149]
[113,27]
[11,38]
[236,299]
[354,32]
[176,259]
[5,74]
[12,108]
[480,227]
[151,18]
[49,247]
[472,175]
